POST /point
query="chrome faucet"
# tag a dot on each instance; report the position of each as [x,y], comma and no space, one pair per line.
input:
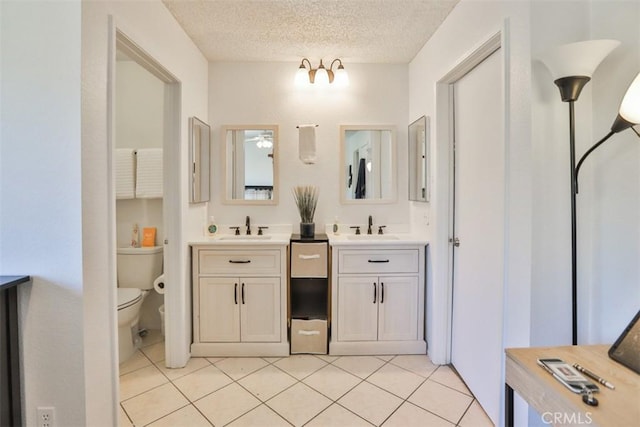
[248,224]
[370,224]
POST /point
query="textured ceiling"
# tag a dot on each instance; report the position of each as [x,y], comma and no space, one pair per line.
[364,31]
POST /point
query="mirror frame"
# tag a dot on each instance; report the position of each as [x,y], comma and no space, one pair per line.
[199,161]
[276,177]
[414,163]
[394,167]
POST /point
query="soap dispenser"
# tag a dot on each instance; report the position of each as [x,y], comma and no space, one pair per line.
[212,227]
[336,226]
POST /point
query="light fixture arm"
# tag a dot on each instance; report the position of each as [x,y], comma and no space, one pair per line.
[586,154]
[308,62]
[333,62]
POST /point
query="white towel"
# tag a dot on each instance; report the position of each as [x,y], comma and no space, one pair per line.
[149,173]
[307,143]
[125,173]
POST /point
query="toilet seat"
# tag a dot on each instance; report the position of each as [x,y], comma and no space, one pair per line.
[128,297]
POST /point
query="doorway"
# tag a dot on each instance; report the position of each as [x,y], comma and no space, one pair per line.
[477,220]
[167,211]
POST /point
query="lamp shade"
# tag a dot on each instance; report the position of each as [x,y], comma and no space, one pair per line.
[341,78]
[302,77]
[322,77]
[577,59]
[630,105]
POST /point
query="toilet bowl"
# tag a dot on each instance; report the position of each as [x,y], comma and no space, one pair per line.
[129,304]
[137,269]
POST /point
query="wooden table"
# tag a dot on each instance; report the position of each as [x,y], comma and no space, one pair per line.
[556,404]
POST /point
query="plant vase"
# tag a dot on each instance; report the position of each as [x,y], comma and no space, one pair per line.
[306,198]
[307,229]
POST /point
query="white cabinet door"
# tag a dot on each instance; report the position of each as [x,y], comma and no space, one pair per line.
[219,309]
[398,308]
[357,309]
[260,313]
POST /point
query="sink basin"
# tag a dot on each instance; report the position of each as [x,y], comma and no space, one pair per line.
[252,237]
[372,237]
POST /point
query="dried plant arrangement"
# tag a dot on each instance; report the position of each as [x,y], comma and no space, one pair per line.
[306,197]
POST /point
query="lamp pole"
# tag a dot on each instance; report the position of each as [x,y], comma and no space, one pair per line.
[574,227]
[570,88]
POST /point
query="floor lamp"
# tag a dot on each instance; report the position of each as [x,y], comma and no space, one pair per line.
[572,66]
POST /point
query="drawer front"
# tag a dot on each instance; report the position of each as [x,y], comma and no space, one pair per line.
[378,261]
[308,260]
[309,336]
[239,262]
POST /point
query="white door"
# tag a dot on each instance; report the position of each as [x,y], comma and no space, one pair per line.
[478,261]
[219,311]
[260,312]
[398,308]
[357,309]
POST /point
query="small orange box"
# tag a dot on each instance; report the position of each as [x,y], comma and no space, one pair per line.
[148,236]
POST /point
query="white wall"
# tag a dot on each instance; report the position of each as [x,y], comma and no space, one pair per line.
[152,28]
[264,93]
[608,205]
[40,199]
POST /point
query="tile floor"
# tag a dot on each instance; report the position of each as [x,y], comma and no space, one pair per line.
[300,390]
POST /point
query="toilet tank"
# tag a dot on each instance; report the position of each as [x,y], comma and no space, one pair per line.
[139,267]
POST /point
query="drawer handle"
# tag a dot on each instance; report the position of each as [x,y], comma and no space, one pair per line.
[378,261]
[309,333]
[315,256]
[235,294]
[374,292]
[241,261]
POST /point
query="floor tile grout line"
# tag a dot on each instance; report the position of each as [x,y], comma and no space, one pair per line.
[302,381]
[151,389]
[465,412]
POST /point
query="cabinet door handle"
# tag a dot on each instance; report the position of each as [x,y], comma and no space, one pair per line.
[241,261]
[374,292]
[235,294]
[243,293]
[378,261]
[381,293]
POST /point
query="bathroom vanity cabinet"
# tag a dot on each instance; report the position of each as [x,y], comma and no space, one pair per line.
[378,299]
[239,300]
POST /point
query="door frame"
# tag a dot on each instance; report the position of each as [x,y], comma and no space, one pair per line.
[444,197]
[171,213]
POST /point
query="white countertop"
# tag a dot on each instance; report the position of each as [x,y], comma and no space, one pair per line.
[391,239]
[244,240]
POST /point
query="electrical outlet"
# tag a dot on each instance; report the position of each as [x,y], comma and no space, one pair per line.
[46,416]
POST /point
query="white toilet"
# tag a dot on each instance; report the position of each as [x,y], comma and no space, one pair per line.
[137,269]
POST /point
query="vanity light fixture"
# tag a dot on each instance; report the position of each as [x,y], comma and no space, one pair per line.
[322,76]
[572,66]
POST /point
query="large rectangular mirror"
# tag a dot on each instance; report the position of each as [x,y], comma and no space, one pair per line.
[251,164]
[199,160]
[368,164]
[419,160]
